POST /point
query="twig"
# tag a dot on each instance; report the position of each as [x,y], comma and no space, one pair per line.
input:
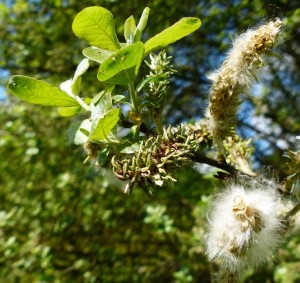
[293,211]
[224,166]
[232,171]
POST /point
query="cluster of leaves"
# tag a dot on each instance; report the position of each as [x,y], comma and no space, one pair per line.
[39,50]
[119,65]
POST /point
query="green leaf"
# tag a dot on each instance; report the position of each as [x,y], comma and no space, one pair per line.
[69,111]
[76,132]
[97,54]
[123,77]
[122,67]
[103,127]
[87,100]
[75,86]
[141,25]
[129,30]
[96,26]
[39,92]
[177,31]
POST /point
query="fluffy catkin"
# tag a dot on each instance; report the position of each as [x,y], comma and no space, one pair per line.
[244,226]
[236,74]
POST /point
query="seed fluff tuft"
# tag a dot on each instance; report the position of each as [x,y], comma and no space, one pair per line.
[244,226]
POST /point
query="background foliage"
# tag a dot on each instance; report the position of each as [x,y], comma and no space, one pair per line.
[61,221]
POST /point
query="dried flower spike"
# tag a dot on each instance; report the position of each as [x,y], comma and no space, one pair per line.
[236,74]
[157,157]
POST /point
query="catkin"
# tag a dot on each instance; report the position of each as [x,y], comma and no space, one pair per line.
[235,75]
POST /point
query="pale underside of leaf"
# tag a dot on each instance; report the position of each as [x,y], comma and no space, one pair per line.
[76,134]
[97,54]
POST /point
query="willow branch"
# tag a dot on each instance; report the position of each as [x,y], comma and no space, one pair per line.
[220,165]
[293,211]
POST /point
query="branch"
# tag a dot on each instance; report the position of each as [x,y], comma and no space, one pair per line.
[223,166]
[293,211]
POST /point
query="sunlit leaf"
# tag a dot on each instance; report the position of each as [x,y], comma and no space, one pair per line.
[69,111]
[175,32]
[97,54]
[39,92]
[96,26]
[129,30]
[141,25]
[122,67]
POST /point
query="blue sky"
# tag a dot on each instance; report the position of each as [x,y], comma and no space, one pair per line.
[4,75]
[2,93]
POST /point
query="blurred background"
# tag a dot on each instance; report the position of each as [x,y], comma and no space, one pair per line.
[62,221]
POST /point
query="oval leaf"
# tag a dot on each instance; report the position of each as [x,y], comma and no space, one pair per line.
[175,32]
[39,92]
[122,67]
[96,26]
[129,30]
[97,54]
[102,129]
[141,25]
